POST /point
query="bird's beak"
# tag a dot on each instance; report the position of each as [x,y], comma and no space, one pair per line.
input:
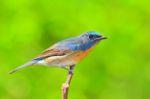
[101,37]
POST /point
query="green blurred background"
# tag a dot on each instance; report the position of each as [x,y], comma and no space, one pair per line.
[118,68]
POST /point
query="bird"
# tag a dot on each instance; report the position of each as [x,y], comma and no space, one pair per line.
[67,52]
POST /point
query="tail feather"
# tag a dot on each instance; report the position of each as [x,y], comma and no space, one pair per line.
[23,66]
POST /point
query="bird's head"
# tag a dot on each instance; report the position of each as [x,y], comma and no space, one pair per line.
[91,38]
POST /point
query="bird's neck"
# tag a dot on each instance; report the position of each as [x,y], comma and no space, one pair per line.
[88,45]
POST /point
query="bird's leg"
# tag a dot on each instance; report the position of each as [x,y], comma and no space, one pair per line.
[68,69]
[65,86]
[71,70]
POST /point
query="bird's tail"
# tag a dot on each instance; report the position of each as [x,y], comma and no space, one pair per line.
[23,66]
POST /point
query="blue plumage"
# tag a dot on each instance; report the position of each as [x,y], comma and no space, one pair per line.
[82,42]
[61,53]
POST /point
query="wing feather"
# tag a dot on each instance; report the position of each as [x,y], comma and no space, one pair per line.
[65,47]
[53,52]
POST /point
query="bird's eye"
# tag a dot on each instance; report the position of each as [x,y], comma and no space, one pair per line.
[91,36]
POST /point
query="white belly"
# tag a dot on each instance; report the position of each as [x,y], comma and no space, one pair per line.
[59,61]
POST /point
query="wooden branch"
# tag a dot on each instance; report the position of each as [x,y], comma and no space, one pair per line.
[65,86]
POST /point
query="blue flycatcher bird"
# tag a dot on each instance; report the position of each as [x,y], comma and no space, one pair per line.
[67,52]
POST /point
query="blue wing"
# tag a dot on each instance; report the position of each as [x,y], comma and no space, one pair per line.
[65,47]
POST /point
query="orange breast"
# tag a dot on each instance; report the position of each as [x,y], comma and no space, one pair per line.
[82,54]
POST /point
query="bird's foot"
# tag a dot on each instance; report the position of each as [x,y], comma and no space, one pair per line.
[71,69]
